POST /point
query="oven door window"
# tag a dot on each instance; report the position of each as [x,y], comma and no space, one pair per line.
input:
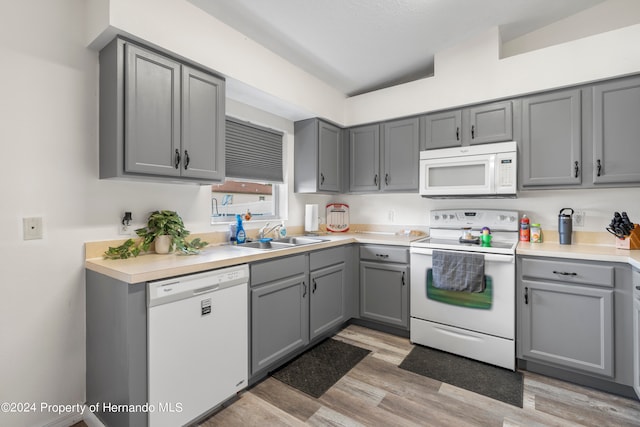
[480,300]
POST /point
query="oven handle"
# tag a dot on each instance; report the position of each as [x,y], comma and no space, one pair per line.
[487,257]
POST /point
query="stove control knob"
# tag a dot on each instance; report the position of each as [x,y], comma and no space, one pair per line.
[452,216]
[501,217]
[436,217]
[512,219]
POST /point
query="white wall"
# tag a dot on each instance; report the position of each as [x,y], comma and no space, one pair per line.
[49,109]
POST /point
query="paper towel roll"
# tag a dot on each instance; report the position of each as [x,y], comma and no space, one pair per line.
[311,218]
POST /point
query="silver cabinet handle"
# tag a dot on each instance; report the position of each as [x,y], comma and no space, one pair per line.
[564,273]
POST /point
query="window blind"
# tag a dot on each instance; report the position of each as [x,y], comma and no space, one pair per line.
[253,152]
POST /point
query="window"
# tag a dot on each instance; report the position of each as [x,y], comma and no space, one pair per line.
[259,200]
[254,171]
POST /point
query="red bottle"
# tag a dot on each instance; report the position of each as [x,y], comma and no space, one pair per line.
[525,232]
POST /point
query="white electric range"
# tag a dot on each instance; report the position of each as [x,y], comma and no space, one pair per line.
[477,325]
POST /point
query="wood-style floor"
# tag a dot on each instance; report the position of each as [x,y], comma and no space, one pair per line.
[378,393]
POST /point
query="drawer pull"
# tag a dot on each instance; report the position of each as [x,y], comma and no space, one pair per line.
[564,273]
[384,256]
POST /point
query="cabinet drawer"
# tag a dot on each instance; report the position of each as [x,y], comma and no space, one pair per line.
[385,253]
[568,271]
[268,271]
[326,257]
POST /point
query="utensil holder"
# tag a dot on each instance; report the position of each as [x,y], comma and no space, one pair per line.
[632,241]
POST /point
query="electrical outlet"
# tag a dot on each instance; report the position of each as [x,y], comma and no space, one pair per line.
[124,230]
[578,218]
[32,228]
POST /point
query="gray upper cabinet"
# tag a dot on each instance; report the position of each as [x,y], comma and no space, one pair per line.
[203,112]
[159,117]
[442,130]
[318,157]
[480,124]
[152,112]
[401,142]
[551,139]
[384,157]
[616,132]
[489,123]
[364,155]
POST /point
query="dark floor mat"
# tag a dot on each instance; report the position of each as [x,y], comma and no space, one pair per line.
[316,370]
[491,381]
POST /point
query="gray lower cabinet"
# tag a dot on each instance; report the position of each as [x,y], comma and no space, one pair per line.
[318,157]
[384,157]
[480,124]
[279,310]
[551,139]
[636,331]
[574,320]
[384,285]
[616,126]
[327,288]
[295,300]
[159,117]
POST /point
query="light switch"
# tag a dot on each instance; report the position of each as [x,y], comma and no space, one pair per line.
[32,228]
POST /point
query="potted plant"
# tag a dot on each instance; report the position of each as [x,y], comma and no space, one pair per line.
[166,229]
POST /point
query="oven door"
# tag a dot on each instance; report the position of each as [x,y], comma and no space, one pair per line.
[458,176]
[490,312]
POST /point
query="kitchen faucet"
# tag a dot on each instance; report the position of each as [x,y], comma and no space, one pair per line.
[262,233]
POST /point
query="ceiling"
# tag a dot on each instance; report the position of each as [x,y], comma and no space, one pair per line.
[357,46]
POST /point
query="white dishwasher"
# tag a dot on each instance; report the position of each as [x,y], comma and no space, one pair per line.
[197,343]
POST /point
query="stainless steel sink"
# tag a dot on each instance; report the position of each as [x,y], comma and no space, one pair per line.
[266,246]
[296,241]
[284,243]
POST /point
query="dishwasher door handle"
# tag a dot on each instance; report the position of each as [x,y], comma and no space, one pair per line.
[205,290]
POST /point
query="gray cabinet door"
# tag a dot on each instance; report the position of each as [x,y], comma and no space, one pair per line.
[636,344]
[152,113]
[203,124]
[364,158]
[616,132]
[441,130]
[636,331]
[384,293]
[401,155]
[569,325]
[329,157]
[489,123]
[551,139]
[327,299]
[279,320]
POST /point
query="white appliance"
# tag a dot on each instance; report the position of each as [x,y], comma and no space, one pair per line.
[197,343]
[488,170]
[479,326]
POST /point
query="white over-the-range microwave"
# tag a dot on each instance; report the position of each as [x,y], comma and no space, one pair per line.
[488,170]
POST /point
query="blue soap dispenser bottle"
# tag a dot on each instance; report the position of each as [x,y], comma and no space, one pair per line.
[241,236]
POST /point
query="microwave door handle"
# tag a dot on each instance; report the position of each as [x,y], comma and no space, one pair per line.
[493,174]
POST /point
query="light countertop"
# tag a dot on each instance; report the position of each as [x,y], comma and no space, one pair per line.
[153,266]
[580,251]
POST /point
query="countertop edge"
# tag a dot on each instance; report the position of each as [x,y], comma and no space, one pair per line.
[148,267]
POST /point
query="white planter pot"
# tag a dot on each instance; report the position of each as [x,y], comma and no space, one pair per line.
[164,244]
